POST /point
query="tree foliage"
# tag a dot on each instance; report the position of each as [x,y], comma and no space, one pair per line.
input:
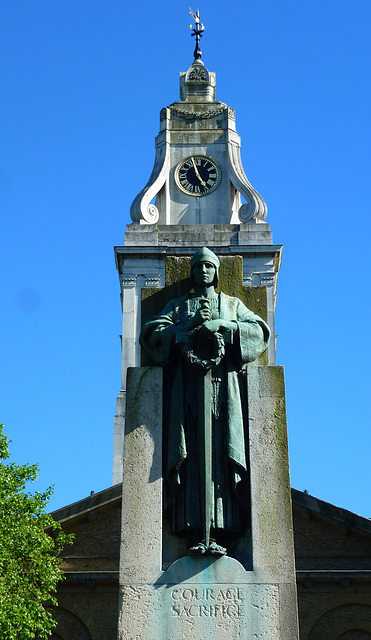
[29,566]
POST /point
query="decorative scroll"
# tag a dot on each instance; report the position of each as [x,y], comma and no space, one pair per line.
[152,215]
[255,208]
[142,210]
[246,212]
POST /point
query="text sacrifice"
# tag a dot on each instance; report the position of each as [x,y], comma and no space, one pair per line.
[207,602]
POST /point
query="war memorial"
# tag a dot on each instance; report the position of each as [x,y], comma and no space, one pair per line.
[207,542]
[195,539]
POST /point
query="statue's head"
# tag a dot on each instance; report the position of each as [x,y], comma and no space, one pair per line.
[205,255]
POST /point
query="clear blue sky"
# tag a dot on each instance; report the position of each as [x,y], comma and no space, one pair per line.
[82,85]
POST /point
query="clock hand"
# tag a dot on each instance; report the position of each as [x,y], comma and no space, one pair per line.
[197,173]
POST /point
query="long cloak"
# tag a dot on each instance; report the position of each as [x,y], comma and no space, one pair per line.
[163,336]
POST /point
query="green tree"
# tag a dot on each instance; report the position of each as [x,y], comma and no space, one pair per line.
[29,566]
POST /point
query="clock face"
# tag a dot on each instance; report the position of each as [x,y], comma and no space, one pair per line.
[197,175]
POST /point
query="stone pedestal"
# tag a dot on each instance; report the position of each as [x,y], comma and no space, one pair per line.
[205,598]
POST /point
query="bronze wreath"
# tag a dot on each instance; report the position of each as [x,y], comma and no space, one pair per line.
[203,352]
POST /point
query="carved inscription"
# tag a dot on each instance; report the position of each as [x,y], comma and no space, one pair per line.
[206,602]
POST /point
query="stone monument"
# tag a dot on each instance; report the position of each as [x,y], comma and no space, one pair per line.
[207,542]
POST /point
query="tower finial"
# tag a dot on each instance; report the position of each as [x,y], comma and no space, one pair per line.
[197,31]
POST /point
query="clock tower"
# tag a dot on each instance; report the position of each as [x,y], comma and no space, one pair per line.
[198,176]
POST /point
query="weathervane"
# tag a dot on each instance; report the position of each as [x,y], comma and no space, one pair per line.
[197,31]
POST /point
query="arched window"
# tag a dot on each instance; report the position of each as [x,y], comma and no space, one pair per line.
[69,627]
[345,622]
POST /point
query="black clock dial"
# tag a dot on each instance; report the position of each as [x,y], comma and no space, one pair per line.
[197,175]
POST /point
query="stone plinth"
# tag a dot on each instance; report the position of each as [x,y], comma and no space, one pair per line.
[206,598]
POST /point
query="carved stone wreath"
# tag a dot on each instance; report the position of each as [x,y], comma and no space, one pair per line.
[188,115]
[203,352]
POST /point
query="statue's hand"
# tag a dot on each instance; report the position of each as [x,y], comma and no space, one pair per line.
[201,316]
[210,326]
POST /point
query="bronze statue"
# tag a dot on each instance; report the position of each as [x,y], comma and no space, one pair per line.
[203,340]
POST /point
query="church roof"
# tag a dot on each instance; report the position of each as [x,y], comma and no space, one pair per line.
[112,497]
[102,500]
[329,511]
